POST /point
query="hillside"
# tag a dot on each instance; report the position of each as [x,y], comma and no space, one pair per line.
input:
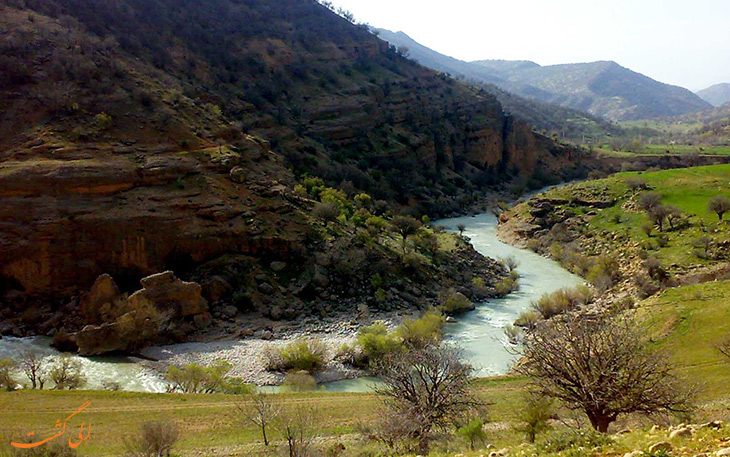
[716,95]
[569,122]
[138,137]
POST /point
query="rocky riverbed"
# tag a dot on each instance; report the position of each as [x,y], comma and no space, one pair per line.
[247,356]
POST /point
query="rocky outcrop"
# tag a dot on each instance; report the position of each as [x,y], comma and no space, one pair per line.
[114,316]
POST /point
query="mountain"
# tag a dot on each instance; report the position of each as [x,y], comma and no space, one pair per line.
[138,137]
[603,89]
[549,117]
[716,95]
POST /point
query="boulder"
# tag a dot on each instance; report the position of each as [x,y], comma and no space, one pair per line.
[723,452]
[683,433]
[167,292]
[237,174]
[661,446]
[215,288]
[634,454]
[103,292]
[278,266]
[99,339]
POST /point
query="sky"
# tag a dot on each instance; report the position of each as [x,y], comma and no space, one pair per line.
[681,42]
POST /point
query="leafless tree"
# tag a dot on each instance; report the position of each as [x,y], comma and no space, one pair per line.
[34,367]
[428,387]
[299,429]
[724,348]
[262,412]
[600,365]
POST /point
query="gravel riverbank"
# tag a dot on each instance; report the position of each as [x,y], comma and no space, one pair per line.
[247,355]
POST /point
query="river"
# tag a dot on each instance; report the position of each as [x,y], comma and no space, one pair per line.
[479,332]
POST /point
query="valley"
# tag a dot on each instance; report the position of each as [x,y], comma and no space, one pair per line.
[265,228]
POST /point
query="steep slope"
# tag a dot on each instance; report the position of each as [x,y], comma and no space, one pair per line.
[604,89]
[550,117]
[716,95]
[139,136]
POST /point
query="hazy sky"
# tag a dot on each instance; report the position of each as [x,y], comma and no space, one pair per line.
[683,42]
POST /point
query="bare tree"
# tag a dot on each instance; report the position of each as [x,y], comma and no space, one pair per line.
[299,429]
[262,412]
[34,367]
[428,387]
[600,366]
[461,228]
[66,373]
[719,205]
[724,348]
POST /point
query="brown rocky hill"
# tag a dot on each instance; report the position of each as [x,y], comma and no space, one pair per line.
[142,136]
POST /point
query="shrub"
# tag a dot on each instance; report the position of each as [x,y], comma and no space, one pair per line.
[194,378]
[103,121]
[299,381]
[646,286]
[57,448]
[111,385]
[528,319]
[327,212]
[422,332]
[510,263]
[7,381]
[635,183]
[535,415]
[648,200]
[473,432]
[513,334]
[453,302]
[376,342]
[533,245]
[562,300]
[189,379]
[505,286]
[566,439]
[156,439]
[304,355]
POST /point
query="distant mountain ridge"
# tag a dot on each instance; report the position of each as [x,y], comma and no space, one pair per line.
[716,95]
[550,117]
[604,89]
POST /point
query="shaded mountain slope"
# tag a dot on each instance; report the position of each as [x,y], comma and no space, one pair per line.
[141,136]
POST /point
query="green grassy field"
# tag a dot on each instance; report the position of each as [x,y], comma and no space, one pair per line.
[688,323]
[211,422]
[664,149]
